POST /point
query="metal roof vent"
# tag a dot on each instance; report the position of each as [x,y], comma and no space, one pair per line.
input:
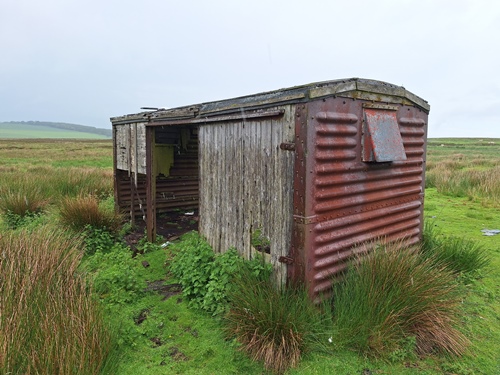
[381,136]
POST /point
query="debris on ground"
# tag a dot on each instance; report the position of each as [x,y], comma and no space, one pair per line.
[490,232]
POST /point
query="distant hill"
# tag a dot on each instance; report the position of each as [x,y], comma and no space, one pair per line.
[45,129]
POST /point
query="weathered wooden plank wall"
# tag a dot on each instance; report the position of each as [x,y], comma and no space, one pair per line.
[131,147]
[246,183]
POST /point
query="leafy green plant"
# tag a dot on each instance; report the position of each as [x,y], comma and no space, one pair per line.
[260,241]
[191,264]
[144,246]
[206,277]
[97,239]
[392,294]
[224,267]
[115,275]
[274,325]
[405,350]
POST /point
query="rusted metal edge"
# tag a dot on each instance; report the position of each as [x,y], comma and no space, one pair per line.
[259,100]
[371,90]
[206,120]
[352,87]
[380,106]
[324,217]
[296,270]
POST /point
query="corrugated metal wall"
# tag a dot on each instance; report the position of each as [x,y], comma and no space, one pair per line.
[246,182]
[349,201]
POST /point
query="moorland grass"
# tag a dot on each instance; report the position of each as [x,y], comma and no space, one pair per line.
[274,325]
[461,256]
[85,210]
[474,184]
[22,154]
[392,295]
[49,322]
[465,168]
[53,184]
[17,205]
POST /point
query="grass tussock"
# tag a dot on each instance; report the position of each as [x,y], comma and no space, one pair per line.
[391,296]
[49,324]
[461,256]
[18,207]
[86,210]
[22,202]
[275,326]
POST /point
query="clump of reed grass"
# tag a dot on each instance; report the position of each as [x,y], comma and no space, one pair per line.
[74,182]
[275,326]
[49,322]
[17,206]
[86,210]
[461,255]
[22,202]
[392,295]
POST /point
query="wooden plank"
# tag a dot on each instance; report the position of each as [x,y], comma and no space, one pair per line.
[150,186]
[245,185]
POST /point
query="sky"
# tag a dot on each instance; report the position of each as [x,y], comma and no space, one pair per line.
[84,61]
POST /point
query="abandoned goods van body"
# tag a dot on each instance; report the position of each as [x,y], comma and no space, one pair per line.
[304,174]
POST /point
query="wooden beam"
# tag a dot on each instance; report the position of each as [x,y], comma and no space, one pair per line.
[115,176]
[132,201]
[150,185]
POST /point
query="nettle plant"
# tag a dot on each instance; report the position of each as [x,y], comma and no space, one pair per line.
[115,274]
[206,277]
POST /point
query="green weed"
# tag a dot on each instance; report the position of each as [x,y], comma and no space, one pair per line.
[115,274]
[97,239]
[205,277]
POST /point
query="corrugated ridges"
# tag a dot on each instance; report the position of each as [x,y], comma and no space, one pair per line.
[355,202]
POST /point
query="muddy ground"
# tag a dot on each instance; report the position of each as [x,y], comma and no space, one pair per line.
[170,226]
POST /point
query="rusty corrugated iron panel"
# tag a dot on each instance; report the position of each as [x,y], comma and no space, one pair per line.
[349,201]
[171,193]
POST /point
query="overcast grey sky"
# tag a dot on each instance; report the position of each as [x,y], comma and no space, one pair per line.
[83,61]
